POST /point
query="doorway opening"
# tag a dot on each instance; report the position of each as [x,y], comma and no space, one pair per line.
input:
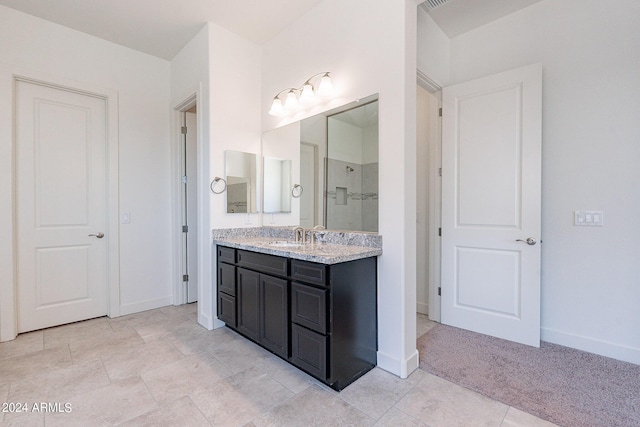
[428,141]
[186,203]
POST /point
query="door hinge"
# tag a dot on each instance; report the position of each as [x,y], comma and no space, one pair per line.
[185,228]
[439,171]
[439,291]
[440,232]
[184,179]
[440,112]
[183,130]
[185,277]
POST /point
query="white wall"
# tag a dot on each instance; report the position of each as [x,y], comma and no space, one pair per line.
[226,68]
[433,49]
[345,37]
[591,69]
[31,45]
[189,76]
[235,66]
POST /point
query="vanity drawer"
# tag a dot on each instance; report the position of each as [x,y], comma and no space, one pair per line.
[309,351]
[309,272]
[226,255]
[227,309]
[227,279]
[264,263]
[309,307]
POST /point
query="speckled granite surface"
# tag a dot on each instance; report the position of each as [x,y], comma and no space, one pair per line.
[332,247]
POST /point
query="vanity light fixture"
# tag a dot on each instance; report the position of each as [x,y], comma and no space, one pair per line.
[304,95]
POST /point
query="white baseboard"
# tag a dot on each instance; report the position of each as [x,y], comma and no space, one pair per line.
[209,322]
[422,308]
[137,307]
[401,368]
[603,348]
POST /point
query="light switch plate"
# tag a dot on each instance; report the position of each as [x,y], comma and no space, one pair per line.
[588,218]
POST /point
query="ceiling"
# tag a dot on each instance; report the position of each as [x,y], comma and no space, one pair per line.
[455,17]
[163,27]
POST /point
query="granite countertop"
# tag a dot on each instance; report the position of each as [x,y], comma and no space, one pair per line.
[324,253]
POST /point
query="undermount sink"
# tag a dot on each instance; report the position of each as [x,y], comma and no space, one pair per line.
[286,244]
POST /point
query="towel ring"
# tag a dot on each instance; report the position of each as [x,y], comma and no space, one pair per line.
[297,191]
[216,180]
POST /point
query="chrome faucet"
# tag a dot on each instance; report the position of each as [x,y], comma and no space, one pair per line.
[314,233]
[300,235]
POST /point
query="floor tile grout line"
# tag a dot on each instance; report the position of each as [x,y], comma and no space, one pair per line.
[105,370]
[398,409]
[199,410]
[285,386]
[8,396]
[505,415]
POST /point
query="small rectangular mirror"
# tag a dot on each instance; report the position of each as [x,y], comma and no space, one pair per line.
[277,185]
[241,176]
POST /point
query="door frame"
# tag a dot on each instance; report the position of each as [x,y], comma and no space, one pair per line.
[8,294]
[192,98]
[434,197]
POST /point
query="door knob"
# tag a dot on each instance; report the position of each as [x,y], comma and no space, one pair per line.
[99,235]
[530,241]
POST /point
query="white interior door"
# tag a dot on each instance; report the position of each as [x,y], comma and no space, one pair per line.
[61,206]
[491,179]
[191,213]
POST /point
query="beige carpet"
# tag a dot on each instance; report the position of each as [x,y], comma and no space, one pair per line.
[559,384]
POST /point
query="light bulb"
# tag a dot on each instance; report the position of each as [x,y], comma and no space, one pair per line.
[307,96]
[276,107]
[326,86]
[292,101]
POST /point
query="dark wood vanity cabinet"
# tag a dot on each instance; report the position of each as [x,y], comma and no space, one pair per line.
[261,306]
[227,286]
[321,318]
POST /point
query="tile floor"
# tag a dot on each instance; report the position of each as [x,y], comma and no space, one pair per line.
[160,368]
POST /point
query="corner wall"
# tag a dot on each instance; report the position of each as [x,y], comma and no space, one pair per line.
[590,275]
[32,45]
[189,76]
[225,70]
[345,38]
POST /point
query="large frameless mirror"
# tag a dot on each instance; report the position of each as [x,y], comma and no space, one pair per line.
[338,153]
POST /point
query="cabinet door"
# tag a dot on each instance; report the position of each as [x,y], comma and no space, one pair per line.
[226,255]
[309,307]
[274,333]
[309,351]
[248,300]
[227,309]
[227,279]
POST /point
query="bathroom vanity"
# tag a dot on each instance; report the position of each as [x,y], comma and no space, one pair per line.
[313,305]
